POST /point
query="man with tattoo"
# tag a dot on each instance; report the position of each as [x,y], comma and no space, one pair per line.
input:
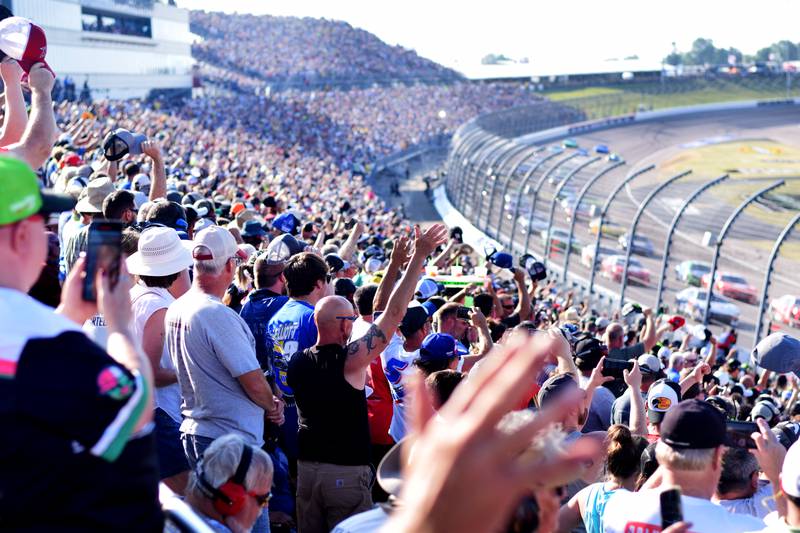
[333,472]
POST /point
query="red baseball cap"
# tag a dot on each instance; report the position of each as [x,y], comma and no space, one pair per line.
[24,41]
[676,321]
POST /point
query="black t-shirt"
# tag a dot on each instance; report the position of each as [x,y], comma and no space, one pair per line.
[334,427]
[68,459]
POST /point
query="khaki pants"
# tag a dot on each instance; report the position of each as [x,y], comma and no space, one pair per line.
[327,494]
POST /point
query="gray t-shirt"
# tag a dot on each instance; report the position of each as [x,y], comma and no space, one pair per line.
[599,416]
[210,346]
[621,408]
[626,353]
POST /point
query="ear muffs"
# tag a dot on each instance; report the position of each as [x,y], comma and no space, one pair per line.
[230,497]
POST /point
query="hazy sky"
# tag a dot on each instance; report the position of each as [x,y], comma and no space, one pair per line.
[578,31]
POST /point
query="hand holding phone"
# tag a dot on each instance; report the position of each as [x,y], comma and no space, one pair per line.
[739,434]
[614,367]
[104,252]
[671,508]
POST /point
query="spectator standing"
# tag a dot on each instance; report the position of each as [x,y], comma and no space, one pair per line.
[690,456]
[334,475]
[161,264]
[75,417]
[222,385]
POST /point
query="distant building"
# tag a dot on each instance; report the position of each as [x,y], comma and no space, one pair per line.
[125,48]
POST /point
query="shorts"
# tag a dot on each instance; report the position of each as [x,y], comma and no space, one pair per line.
[171,456]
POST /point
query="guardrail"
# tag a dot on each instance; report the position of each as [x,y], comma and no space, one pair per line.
[488,156]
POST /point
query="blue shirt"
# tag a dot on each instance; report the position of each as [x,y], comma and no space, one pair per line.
[291,330]
[257,312]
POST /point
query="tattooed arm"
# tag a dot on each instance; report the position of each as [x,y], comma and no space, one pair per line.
[362,351]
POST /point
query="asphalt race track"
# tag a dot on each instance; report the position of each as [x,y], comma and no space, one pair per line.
[744,252]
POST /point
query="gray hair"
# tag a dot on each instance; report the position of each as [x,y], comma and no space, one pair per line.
[738,466]
[681,459]
[221,459]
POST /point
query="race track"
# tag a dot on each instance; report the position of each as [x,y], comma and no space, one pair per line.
[744,252]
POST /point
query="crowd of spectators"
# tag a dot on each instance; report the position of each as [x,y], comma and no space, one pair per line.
[304,49]
[276,340]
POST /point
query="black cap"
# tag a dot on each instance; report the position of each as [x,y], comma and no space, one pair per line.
[787,433]
[693,425]
[335,263]
[413,320]
[554,387]
[589,351]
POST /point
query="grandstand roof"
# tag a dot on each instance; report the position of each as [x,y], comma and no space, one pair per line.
[547,68]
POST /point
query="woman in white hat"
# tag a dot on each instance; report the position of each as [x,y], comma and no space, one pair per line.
[161,265]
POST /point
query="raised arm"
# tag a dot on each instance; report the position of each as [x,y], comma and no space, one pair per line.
[650,337]
[16,117]
[40,134]
[633,379]
[349,246]
[399,257]
[524,305]
[158,188]
[362,351]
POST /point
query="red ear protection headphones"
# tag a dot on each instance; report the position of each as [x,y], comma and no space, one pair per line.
[230,497]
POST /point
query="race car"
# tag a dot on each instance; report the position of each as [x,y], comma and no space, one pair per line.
[570,143]
[641,244]
[587,253]
[602,149]
[732,286]
[692,302]
[558,241]
[610,229]
[786,309]
[691,272]
[614,266]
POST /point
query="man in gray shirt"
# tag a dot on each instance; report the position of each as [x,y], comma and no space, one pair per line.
[222,385]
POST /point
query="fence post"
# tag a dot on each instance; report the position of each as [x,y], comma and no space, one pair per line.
[718,244]
[520,191]
[776,248]
[673,226]
[553,201]
[538,188]
[477,177]
[535,152]
[632,231]
[578,201]
[603,211]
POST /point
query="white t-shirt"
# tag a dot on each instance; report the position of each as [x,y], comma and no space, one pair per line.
[397,364]
[144,302]
[640,512]
[366,522]
[759,504]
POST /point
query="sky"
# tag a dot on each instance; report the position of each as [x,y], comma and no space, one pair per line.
[563,32]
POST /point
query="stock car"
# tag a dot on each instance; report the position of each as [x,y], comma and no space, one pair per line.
[558,241]
[692,302]
[570,143]
[614,157]
[602,149]
[610,229]
[536,224]
[614,266]
[731,285]
[691,272]
[786,309]
[587,254]
[584,209]
[641,244]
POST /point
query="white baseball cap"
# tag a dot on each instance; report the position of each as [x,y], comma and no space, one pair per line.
[649,363]
[426,288]
[790,473]
[161,253]
[214,244]
[661,397]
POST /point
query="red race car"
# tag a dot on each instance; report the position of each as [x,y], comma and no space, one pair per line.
[786,309]
[733,286]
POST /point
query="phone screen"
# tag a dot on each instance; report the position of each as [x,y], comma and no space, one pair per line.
[614,367]
[103,252]
[738,434]
[671,508]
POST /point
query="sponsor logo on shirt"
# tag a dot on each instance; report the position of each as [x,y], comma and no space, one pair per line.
[114,383]
[639,527]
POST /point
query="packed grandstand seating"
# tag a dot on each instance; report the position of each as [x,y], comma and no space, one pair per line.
[272,189]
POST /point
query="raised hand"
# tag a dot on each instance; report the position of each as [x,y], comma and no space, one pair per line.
[425,242]
[151,149]
[40,79]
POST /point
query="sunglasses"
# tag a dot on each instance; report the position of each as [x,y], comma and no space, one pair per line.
[351,318]
[261,499]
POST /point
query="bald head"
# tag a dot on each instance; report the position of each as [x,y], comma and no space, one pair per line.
[614,335]
[332,314]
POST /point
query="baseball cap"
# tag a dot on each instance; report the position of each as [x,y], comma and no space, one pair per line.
[286,223]
[253,228]
[426,288]
[140,180]
[778,352]
[601,322]
[787,433]
[725,406]
[430,307]
[120,142]
[554,387]
[336,263]
[438,346]
[790,472]
[649,363]
[24,41]
[161,253]
[215,243]
[589,351]
[91,200]
[662,396]
[20,196]
[693,425]
[343,287]
[765,410]
[202,224]
[676,322]
[284,247]
[416,316]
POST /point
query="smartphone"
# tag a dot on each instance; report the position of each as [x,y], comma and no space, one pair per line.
[671,508]
[104,252]
[463,313]
[614,367]
[738,434]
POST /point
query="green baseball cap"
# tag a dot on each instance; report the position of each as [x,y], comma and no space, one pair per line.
[20,196]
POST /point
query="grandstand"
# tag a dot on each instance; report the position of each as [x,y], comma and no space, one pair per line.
[123,48]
